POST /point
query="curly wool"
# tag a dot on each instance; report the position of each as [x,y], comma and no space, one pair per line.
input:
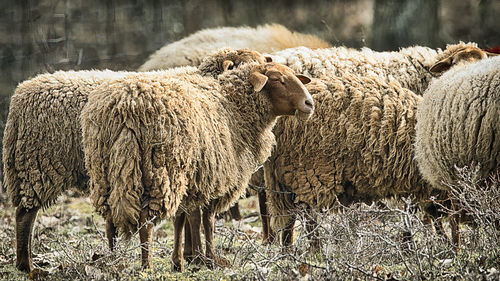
[152,141]
[265,39]
[459,123]
[42,144]
[357,147]
[408,68]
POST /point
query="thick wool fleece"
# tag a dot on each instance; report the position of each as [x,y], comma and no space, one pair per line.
[152,141]
[459,123]
[265,39]
[357,147]
[42,144]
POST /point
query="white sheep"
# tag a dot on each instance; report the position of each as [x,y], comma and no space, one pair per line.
[458,123]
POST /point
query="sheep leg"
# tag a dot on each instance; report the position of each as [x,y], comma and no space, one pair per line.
[235,212]
[208,226]
[188,242]
[438,225]
[110,232]
[25,219]
[146,238]
[455,226]
[195,222]
[267,235]
[287,235]
[177,262]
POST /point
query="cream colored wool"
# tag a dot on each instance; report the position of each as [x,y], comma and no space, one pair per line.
[459,123]
[265,39]
[152,141]
[357,147]
[42,144]
[409,66]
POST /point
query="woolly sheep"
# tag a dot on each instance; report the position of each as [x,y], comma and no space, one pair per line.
[42,144]
[264,38]
[459,123]
[151,142]
[371,166]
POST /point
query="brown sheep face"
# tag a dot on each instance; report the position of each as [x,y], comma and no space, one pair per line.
[285,90]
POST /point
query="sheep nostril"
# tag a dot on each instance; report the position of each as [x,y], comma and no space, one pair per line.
[309,103]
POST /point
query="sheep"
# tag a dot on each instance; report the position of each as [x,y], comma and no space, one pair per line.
[409,66]
[43,152]
[458,123]
[370,166]
[264,38]
[152,142]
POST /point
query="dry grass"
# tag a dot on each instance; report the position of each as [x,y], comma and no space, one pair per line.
[357,243]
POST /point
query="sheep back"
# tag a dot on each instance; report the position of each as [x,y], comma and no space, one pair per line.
[409,66]
[459,123]
[265,39]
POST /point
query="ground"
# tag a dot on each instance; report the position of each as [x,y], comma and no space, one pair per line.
[358,243]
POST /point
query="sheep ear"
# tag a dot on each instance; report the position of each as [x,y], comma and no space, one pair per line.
[227,65]
[442,65]
[258,81]
[304,79]
[269,59]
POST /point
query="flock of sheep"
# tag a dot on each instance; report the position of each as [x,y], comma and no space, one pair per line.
[184,142]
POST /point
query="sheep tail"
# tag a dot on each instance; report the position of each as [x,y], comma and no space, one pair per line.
[125,180]
[9,142]
[279,201]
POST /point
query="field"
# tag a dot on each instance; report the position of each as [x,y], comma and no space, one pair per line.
[359,242]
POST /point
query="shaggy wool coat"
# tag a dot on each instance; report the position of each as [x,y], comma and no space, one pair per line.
[459,123]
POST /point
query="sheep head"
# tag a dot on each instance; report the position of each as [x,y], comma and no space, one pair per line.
[226,59]
[284,88]
[459,54]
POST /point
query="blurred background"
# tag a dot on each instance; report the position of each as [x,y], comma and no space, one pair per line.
[47,35]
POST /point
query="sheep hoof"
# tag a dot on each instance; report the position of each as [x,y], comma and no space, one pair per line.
[38,274]
[177,266]
[189,257]
[23,267]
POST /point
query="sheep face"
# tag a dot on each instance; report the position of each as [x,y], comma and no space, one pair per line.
[284,89]
[465,55]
